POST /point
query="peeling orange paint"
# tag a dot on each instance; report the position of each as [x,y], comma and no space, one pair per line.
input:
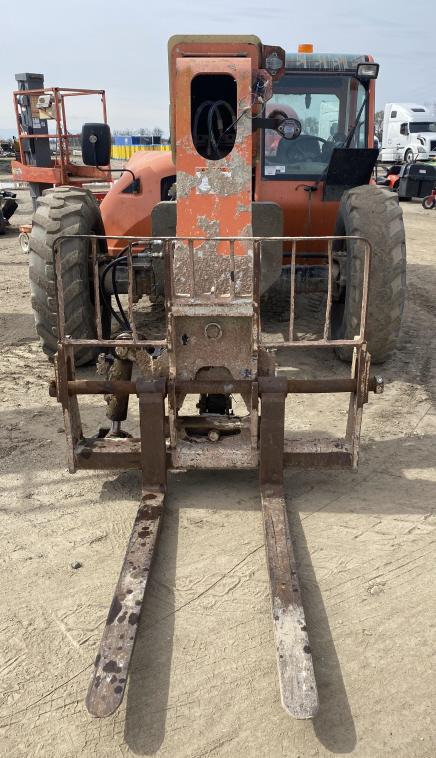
[215,191]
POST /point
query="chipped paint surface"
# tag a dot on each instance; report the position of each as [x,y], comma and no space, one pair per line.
[218,191]
[217,179]
[213,200]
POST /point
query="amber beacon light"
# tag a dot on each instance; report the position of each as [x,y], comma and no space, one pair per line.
[307,47]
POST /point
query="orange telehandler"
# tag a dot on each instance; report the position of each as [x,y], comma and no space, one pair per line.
[267,193]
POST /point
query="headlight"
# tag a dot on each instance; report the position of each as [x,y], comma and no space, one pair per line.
[367,71]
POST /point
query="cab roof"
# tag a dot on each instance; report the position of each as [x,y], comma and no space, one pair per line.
[339,62]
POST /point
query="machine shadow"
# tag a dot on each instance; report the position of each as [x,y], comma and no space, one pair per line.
[333,725]
[149,680]
[148,692]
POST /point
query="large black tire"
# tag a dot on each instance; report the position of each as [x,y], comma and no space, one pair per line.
[373,213]
[64,210]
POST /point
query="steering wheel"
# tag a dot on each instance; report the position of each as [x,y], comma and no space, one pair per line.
[290,151]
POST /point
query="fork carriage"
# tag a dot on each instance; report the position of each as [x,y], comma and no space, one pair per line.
[214,347]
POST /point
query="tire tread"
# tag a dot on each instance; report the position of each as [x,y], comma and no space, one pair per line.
[63,210]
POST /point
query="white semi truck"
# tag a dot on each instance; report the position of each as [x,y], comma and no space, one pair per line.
[409,133]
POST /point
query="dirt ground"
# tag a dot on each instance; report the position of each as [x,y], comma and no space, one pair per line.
[204,680]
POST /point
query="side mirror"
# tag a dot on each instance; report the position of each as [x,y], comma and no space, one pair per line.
[96,144]
[289,128]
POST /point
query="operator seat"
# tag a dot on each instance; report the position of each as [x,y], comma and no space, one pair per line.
[302,148]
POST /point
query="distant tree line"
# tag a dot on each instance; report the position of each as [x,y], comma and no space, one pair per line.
[142,132]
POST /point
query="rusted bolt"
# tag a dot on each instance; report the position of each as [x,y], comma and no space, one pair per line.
[213,331]
[213,435]
[123,352]
[379,385]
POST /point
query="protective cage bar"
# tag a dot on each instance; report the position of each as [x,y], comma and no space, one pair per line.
[101,452]
[166,248]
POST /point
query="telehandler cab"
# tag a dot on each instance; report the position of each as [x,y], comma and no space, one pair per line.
[267,192]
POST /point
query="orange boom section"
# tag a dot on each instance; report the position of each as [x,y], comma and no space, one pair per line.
[214,196]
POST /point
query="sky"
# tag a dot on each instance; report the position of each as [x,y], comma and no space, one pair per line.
[122,46]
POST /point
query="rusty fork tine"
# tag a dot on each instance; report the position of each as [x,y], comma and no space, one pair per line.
[108,683]
[294,658]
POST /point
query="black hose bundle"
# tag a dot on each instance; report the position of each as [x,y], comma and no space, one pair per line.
[214,112]
[121,318]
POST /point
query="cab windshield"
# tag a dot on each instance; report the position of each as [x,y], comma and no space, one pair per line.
[327,107]
[422,126]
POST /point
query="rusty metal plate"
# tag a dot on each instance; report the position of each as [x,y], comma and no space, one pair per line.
[219,341]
